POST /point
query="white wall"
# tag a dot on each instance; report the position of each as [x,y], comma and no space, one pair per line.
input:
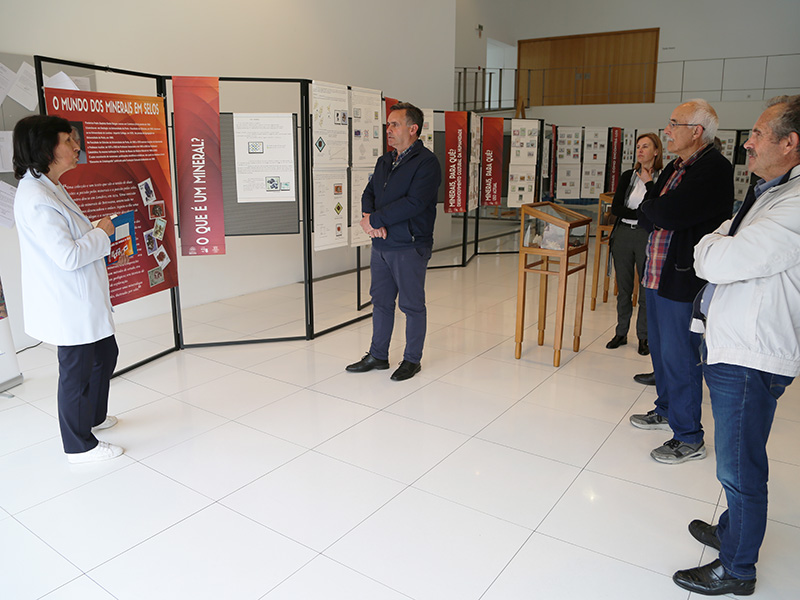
[405,50]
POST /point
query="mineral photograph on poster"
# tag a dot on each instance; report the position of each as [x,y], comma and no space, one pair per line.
[329,119]
[367,133]
[264,149]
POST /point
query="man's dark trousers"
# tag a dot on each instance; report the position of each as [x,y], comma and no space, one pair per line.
[398,274]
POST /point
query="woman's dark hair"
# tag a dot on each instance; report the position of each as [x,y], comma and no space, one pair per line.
[35,141]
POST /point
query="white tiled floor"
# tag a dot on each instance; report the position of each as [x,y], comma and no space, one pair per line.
[267,472]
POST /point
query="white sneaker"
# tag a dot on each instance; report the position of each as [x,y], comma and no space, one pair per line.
[107,424]
[103,451]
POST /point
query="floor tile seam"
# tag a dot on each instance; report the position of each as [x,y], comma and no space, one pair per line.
[468,507]
[148,538]
[66,583]
[628,387]
[28,446]
[65,492]
[545,369]
[349,568]
[615,423]
[262,476]
[609,556]
[510,560]
[588,469]
[783,462]
[97,566]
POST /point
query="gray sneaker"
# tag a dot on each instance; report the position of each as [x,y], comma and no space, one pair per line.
[651,420]
[674,452]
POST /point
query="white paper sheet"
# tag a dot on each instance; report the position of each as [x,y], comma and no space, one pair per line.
[23,89]
[7,193]
[6,151]
[7,77]
[61,81]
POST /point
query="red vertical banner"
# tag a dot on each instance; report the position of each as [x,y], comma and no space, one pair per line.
[492,161]
[124,170]
[455,135]
[199,163]
[614,160]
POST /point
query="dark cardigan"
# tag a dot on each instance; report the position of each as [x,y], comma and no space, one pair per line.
[702,202]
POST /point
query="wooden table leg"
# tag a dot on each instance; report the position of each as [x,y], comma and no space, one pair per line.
[521,290]
[576,342]
[598,248]
[543,299]
[560,307]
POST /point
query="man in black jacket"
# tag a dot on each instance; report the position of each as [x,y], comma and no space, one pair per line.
[399,210]
[692,197]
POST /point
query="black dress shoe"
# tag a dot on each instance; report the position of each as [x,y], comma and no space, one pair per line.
[617,341]
[367,363]
[406,370]
[645,378]
[644,348]
[713,580]
[704,533]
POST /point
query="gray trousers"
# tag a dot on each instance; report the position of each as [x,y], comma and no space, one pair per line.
[628,248]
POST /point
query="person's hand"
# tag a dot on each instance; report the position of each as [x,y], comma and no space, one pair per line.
[106,225]
[646,174]
[123,260]
[380,232]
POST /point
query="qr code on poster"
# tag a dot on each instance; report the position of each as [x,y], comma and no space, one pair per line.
[255,147]
[273,184]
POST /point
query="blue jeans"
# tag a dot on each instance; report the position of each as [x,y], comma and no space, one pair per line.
[743,401]
[398,273]
[675,352]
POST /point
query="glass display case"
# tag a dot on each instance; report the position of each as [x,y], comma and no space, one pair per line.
[554,241]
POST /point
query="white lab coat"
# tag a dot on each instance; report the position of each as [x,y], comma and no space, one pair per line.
[64,279]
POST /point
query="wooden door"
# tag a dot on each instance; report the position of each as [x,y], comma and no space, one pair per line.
[604,68]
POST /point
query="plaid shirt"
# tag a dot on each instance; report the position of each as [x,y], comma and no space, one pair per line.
[658,243]
[397,158]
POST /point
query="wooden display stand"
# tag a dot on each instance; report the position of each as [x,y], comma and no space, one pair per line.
[605,223]
[551,235]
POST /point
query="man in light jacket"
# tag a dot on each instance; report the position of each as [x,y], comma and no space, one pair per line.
[752,343]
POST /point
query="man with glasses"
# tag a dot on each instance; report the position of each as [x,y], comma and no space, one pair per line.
[751,344]
[692,197]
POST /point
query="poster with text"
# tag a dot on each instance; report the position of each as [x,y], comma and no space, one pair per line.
[427,136]
[264,149]
[492,161]
[330,208]
[474,192]
[127,169]
[388,103]
[329,113]
[199,164]
[524,141]
[474,138]
[359,178]
[367,133]
[455,161]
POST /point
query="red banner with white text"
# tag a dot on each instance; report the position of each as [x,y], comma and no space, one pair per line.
[455,159]
[124,170]
[492,161]
[199,165]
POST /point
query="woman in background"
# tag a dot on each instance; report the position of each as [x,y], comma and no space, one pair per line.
[629,241]
[65,283]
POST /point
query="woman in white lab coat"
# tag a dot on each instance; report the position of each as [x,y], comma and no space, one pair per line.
[65,283]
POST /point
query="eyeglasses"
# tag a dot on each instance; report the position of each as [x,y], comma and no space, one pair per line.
[674,124]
